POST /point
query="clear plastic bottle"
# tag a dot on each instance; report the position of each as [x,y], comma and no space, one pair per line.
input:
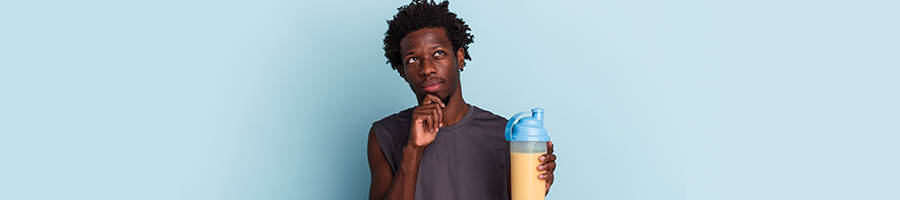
[528,141]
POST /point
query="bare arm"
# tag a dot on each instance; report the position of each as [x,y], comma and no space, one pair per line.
[382,176]
[387,185]
[423,129]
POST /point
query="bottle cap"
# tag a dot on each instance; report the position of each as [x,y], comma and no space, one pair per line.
[527,128]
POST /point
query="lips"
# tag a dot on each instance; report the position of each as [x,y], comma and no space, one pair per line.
[432,85]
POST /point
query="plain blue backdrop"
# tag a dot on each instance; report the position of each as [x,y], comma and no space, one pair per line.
[273,99]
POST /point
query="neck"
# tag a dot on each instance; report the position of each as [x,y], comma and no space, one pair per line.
[456,108]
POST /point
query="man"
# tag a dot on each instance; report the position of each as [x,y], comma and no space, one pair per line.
[443,148]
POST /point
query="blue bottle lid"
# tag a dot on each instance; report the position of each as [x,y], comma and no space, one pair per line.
[527,128]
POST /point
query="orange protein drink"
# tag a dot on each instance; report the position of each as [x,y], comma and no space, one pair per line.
[524,176]
[528,141]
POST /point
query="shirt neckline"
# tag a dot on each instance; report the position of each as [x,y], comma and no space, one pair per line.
[461,123]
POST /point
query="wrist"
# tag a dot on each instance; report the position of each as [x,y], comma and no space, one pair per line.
[414,149]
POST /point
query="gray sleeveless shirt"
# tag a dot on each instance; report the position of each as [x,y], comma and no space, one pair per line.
[467,160]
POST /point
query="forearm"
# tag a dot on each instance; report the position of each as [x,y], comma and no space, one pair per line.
[404,184]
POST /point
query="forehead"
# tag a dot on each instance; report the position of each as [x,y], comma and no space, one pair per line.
[427,37]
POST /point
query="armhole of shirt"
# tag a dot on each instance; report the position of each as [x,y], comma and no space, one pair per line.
[385,143]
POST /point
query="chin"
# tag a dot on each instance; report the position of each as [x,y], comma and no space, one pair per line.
[446,100]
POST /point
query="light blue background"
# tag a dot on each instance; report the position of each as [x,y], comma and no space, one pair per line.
[273,99]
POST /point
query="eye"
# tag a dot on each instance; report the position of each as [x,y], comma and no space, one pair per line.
[439,53]
[412,60]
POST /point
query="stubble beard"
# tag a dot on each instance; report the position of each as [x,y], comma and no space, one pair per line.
[446,100]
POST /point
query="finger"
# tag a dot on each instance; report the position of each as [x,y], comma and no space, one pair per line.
[427,108]
[429,120]
[549,147]
[548,157]
[426,100]
[547,177]
[431,98]
[425,115]
[437,119]
[421,118]
[549,166]
[435,99]
[549,183]
[440,115]
[550,180]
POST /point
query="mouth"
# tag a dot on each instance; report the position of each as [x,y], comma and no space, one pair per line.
[432,86]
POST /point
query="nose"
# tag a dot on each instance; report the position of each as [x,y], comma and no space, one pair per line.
[428,68]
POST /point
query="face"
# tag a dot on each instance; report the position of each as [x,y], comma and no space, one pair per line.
[430,65]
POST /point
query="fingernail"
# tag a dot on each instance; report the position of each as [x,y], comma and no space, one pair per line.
[542,158]
[540,167]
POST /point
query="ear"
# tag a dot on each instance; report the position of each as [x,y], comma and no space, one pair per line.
[460,58]
[402,74]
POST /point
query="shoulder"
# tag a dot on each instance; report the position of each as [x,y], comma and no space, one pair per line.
[393,124]
[402,117]
[391,133]
[486,117]
[491,128]
[482,114]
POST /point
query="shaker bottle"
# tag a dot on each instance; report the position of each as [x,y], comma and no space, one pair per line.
[527,142]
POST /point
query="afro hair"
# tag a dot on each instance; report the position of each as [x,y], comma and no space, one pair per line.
[421,14]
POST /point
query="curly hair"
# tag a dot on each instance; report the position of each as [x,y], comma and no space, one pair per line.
[422,14]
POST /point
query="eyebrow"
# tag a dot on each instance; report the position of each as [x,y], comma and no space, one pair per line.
[432,47]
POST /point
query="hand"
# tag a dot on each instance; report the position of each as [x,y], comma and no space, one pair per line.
[426,119]
[549,163]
